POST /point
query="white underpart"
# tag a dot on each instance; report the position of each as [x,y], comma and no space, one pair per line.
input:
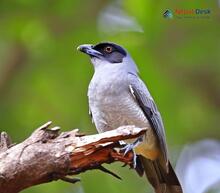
[110,99]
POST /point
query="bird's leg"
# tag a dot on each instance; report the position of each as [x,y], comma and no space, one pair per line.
[131,147]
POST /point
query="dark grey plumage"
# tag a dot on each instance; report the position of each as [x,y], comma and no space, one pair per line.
[150,110]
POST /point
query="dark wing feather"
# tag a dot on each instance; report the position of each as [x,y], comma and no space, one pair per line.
[147,104]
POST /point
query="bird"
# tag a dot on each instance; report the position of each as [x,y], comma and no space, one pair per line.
[117,97]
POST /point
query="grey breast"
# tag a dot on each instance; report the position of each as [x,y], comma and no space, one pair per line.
[112,104]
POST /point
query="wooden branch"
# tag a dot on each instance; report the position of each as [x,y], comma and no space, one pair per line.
[47,155]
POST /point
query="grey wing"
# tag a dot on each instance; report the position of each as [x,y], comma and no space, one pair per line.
[147,104]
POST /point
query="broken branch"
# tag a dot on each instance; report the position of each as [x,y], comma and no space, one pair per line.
[47,155]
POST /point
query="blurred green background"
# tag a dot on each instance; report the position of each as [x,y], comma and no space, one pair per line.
[43,77]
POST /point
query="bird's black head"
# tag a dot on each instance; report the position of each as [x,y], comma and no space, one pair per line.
[111,52]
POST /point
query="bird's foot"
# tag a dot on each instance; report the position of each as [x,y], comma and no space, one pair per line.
[131,147]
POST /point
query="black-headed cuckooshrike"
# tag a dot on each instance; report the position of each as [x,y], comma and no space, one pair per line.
[117,97]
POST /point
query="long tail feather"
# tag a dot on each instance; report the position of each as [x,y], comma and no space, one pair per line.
[160,179]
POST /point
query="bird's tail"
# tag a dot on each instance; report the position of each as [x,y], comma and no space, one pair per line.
[160,179]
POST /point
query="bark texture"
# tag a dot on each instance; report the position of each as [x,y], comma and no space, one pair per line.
[48,155]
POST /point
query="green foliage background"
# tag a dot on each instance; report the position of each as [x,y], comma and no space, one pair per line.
[43,77]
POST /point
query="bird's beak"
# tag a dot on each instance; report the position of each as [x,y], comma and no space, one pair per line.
[88,49]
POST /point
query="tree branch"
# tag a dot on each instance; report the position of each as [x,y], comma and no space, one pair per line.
[47,155]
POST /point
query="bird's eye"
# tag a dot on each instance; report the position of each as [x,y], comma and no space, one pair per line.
[108,49]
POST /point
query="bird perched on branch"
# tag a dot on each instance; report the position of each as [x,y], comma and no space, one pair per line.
[117,97]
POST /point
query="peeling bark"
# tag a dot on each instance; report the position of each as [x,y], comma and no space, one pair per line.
[48,155]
